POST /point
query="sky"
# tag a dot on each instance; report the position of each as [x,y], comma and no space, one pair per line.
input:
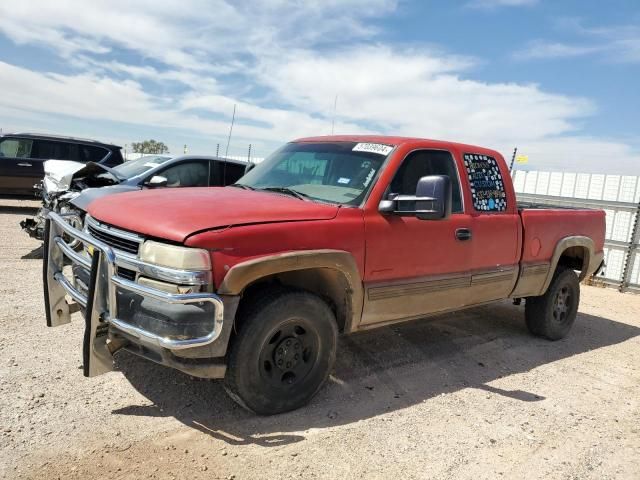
[558,80]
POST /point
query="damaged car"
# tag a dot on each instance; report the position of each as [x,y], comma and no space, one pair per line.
[68,190]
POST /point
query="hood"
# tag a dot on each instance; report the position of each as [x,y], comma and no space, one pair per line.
[61,175]
[87,196]
[176,213]
[58,173]
[95,175]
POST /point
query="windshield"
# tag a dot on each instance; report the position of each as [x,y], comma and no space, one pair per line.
[335,172]
[133,168]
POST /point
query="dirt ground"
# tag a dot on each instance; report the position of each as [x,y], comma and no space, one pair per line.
[470,395]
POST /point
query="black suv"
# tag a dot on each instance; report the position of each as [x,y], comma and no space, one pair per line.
[22,156]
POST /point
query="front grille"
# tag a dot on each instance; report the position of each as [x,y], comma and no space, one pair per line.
[126,273]
[114,241]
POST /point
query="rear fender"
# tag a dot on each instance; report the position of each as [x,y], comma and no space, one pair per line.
[589,258]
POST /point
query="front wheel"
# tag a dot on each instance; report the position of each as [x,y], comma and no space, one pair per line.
[552,315]
[283,353]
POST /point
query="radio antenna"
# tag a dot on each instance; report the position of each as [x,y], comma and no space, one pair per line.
[333,120]
[233,119]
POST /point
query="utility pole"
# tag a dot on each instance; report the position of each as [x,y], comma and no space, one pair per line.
[233,119]
[217,150]
[249,154]
[185,149]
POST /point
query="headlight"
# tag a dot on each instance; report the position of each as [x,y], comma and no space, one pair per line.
[182,258]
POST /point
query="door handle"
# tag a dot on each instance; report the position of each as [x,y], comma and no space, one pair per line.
[463,234]
[25,165]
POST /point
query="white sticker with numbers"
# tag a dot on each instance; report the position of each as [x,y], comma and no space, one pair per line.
[378,148]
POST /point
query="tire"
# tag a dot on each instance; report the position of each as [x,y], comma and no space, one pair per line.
[283,352]
[552,315]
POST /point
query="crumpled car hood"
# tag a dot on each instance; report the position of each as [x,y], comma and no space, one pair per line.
[176,213]
[58,174]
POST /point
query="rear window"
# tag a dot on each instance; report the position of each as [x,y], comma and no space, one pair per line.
[88,153]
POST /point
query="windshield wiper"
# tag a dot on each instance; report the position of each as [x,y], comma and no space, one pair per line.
[241,185]
[287,191]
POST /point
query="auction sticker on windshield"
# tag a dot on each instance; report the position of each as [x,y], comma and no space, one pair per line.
[378,148]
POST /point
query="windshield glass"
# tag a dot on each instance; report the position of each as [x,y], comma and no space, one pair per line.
[336,172]
[133,168]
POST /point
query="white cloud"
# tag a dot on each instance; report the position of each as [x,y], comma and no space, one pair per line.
[619,43]
[491,4]
[186,33]
[181,65]
[101,98]
[420,94]
[543,49]
[582,154]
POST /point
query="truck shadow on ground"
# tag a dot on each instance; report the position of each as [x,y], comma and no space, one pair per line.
[377,372]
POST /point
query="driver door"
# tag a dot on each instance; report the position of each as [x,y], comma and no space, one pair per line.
[415,267]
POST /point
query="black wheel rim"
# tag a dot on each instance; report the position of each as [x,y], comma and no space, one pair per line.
[563,305]
[289,354]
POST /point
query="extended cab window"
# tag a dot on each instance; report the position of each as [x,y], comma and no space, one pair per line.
[423,163]
[485,179]
[16,148]
[187,174]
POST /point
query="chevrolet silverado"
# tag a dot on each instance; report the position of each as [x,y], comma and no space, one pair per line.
[329,235]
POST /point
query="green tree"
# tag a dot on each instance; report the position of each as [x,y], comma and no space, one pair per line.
[149,146]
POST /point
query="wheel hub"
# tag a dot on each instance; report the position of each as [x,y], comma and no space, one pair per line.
[288,354]
[562,304]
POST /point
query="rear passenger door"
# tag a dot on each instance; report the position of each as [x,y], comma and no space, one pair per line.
[18,171]
[494,228]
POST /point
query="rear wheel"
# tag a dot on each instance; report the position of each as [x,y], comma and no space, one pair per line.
[552,315]
[283,353]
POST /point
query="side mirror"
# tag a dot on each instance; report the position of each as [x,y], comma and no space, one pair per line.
[156,181]
[432,200]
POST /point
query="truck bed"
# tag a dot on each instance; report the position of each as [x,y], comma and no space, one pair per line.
[546,206]
[544,226]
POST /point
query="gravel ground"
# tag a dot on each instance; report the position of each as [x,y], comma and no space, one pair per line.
[470,395]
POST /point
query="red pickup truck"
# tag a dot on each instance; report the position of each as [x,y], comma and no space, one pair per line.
[330,235]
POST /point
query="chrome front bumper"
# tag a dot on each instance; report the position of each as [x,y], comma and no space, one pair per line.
[100,298]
